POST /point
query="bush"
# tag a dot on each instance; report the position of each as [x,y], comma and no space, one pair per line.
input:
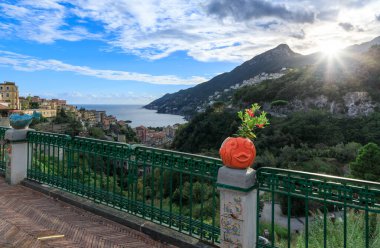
[366,166]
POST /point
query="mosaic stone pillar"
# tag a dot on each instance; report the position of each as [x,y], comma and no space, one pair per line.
[16,155]
[238,205]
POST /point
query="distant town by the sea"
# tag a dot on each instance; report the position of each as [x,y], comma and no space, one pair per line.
[136,114]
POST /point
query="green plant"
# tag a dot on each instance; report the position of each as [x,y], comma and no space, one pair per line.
[251,121]
[366,163]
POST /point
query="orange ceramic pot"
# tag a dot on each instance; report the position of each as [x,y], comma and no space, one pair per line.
[237,153]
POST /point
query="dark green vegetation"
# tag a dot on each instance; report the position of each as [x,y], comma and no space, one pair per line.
[312,141]
[205,132]
[366,165]
[334,229]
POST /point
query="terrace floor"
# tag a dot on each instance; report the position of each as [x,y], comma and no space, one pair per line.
[30,219]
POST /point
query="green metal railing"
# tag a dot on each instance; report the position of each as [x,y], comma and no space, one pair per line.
[333,211]
[178,190]
[174,189]
[2,152]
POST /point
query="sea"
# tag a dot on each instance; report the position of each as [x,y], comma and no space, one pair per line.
[137,114]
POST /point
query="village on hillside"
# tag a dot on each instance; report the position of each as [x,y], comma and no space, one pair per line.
[60,117]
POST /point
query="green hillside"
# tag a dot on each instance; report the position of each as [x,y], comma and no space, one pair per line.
[312,139]
[332,79]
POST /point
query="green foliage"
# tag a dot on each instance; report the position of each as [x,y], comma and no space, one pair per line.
[74,127]
[250,121]
[313,141]
[366,166]
[38,121]
[355,233]
[206,131]
[96,132]
[130,135]
[61,117]
[281,233]
[218,106]
[34,105]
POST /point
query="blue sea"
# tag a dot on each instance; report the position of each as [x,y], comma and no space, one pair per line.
[137,114]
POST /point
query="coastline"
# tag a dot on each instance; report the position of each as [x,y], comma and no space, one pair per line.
[137,114]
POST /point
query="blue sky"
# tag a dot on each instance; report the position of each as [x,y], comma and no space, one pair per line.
[134,51]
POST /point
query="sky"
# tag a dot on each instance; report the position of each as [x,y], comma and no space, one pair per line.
[135,51]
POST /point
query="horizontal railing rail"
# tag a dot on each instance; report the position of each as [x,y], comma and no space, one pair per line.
[331,209]
[174,189]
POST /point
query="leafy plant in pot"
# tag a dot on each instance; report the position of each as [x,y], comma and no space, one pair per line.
[239,152]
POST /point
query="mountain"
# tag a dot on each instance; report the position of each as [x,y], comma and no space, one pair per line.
[347,85]
[319,115]
[185,102]
[190,101]
[363,47]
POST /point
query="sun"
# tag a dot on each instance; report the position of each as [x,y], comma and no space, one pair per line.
[330,48]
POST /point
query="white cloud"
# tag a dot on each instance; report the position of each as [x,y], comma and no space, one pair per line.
[154,29]
[110,98]
[27,63]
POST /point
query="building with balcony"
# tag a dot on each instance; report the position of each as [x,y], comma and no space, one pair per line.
[9,95]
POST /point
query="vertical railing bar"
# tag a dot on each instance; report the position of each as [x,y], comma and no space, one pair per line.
[257,216]
[108,178]
[136,179]
[83,167]
[48,161]
[58,159]
[114,164]
[272,213]
[289,211]
[213,209]
[180,199]
[345,218]
[78,177]
[325,216]
[202,196]
[161,189]
[95,169]
[171,191]
[366,218]
[153,162]
[191,204]
[307,218]
[144,166]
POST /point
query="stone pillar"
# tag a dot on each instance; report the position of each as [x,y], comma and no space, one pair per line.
[16,155]
[238,205]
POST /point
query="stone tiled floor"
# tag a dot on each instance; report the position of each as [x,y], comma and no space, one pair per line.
[26,216]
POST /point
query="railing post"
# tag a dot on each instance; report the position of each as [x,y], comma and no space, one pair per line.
[238,206]
[16,155]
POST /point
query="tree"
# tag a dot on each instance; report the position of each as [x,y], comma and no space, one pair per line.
[34,105]
[96,133]
[366,165]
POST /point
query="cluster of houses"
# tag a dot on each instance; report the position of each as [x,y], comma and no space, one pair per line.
[226,94]
[11,102]
[156,137]
[47,107]
[152,137]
